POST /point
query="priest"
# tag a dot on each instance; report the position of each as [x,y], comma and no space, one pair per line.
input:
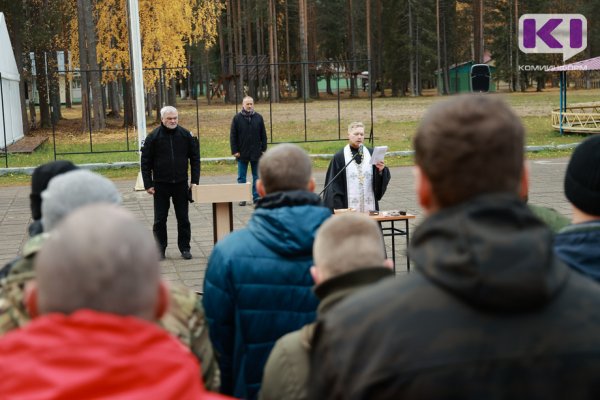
[361,185]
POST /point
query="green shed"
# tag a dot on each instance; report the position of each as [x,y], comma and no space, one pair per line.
[459,78]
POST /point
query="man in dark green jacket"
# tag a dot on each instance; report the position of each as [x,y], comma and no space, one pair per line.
[489,312]
[349,255]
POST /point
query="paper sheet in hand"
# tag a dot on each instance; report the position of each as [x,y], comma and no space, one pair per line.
[378,154]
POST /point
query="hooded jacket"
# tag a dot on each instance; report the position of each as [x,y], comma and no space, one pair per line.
[89,354]
[578,245]
[258,286]
[489,313]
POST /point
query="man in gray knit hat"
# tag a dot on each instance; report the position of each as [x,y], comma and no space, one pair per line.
[65,193]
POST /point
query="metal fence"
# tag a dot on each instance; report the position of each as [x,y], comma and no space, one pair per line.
[251,77]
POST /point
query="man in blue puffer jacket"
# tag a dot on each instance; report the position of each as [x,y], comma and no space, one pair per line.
[258,286]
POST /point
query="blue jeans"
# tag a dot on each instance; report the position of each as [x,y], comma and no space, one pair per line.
[243,171]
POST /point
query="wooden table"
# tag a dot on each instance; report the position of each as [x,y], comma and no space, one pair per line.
[392,231]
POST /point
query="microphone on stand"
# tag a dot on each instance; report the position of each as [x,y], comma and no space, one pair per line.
[356,157]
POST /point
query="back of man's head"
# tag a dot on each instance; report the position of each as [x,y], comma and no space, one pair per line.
[69,191]
[346,243]
[582,180]
[470,145]
[285,167]
[99,258]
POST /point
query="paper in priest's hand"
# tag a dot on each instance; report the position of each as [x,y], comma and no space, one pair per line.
[378,154]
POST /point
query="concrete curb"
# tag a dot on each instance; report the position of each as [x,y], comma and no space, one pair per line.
[231,160]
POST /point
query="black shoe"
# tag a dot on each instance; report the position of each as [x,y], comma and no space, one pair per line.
[186,254]
[162,256]
[242,203]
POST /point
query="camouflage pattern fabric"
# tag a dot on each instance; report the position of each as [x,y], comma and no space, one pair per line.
[187,321]
[185,318]
[13,313]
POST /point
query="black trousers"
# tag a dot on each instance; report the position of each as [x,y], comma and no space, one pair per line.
[162,201]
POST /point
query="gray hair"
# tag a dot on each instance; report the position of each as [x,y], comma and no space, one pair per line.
[99,258]
[354,125]
[69,191]
[167,109]
[348,242]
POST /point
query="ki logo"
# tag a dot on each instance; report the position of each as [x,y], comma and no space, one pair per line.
[553,33]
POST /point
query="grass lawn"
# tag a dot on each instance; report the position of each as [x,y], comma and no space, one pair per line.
[395,121]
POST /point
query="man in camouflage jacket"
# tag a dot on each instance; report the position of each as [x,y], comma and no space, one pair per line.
[185,318]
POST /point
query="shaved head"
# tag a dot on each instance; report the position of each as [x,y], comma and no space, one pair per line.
[100,258]
[285,167]
[348,242]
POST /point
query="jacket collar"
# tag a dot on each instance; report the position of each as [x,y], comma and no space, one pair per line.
[335,289]
[289,198]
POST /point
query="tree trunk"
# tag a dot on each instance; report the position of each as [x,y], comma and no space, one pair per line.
[42,88]
[478,31]
[287,48]
[251,75]
[87,50]
[411,50]
[230,96]
[303,89]
[223,59]
[378,78]
[445,53]
[54,86]
[273,60]
[353,88]
[83,67]
[172,92]
[113,100]
[127,103]
[312,49]
[68,100]
[369,53]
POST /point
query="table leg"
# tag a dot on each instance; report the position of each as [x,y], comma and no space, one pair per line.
[407,242]
[393,246]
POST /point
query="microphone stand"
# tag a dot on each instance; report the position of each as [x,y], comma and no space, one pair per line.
[341,170]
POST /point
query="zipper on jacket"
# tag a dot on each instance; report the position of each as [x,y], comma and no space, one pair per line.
[172,159]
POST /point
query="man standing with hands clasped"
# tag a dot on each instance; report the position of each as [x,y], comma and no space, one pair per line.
[164,164]
[248,139]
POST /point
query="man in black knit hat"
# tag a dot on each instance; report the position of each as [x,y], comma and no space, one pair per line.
[578,244]
[39,182]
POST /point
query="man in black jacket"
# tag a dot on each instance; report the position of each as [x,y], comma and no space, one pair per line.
[248,140]
[490,312]
[165,155]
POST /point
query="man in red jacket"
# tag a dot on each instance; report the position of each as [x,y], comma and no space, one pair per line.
[98,296]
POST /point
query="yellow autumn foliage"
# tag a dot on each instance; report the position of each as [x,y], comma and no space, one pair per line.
[166,27]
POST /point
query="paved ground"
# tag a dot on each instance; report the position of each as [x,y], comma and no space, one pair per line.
[545,189]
